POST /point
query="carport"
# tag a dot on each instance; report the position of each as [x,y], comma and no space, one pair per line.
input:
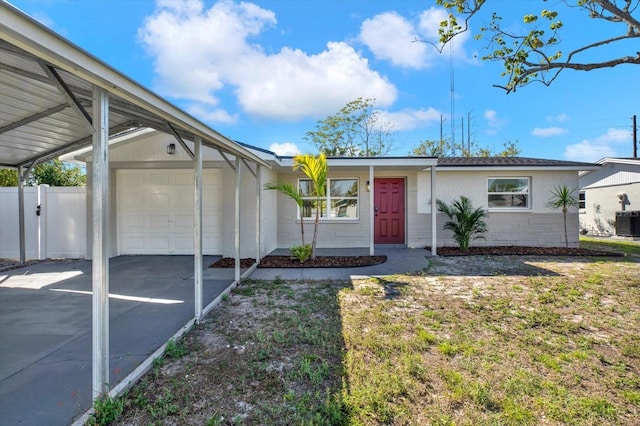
[56,98]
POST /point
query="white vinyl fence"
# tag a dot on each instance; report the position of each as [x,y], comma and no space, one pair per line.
[59,231]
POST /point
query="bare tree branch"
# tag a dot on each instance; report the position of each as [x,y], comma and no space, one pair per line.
[529,57]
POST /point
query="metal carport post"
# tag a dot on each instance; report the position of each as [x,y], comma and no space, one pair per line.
[434,239]
[100,260]
[197,229]
[237,219]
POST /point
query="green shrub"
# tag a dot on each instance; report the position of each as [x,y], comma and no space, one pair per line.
[465,222]
[302,253]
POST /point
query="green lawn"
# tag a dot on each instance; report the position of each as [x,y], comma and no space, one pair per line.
[560,346]
[619,246]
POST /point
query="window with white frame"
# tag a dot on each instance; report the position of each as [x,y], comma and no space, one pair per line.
[339,203]
[582,200]
[509,193]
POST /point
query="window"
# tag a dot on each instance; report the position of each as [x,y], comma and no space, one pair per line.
[582,200]
[340,202]
[512,192]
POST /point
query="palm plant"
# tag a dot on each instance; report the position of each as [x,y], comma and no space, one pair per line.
[292,192]
[562,198]
[315,168]
[465,222]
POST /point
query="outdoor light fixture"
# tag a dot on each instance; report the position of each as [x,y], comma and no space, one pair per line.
[171,148]
[368,186]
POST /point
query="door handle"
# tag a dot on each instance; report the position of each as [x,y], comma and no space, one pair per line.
[375,209]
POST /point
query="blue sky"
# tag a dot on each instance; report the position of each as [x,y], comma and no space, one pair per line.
[263,72]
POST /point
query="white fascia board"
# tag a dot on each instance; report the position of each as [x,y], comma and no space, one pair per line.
[425,162]
[609,160]
[24,32]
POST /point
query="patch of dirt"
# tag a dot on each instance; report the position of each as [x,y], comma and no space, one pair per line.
[275,352]
[289,262]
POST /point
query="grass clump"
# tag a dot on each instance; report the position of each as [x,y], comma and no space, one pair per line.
[106,411]
[175,349]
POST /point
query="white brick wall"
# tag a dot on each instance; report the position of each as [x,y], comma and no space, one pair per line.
[539,226]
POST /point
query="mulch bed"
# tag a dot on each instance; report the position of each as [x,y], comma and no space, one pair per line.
[288,262]
[523,251]
[355,261]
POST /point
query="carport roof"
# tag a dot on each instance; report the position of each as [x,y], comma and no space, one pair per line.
[46,91]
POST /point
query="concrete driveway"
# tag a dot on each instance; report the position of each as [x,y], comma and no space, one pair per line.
[45,328]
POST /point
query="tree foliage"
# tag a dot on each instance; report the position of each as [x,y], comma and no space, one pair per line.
[562,198]
[466,223]
[8,177]
[52,173]
[316,169]
[445,148]
[357,130]
[57,173]
[536,55]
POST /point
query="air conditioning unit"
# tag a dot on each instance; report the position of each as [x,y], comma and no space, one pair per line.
[628,223]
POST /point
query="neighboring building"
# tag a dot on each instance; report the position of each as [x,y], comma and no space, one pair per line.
[612,188]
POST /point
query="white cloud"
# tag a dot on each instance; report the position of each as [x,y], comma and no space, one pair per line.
[605,145]
[292,84]
[198,52]
[548,131]
[215,115]
[391,37]
[286,149]
[560,118]
[408,119]
[494,123]
[587,151]
[615,136]
[406,43]
[490,115]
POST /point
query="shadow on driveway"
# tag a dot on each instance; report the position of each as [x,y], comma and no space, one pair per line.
[46,320]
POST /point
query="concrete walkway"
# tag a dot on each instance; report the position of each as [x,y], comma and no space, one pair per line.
[45,329]
[400,260]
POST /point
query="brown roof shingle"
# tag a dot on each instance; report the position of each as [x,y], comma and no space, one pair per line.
[506,162]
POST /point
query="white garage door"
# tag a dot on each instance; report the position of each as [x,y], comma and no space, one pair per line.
[155,211]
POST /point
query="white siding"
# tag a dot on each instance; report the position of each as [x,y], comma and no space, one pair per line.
[269,214]
[602,188]
[538,226]
[601,205]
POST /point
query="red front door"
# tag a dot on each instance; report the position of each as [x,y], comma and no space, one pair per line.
[388,204]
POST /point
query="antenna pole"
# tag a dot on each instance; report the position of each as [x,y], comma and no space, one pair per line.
[635,137]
